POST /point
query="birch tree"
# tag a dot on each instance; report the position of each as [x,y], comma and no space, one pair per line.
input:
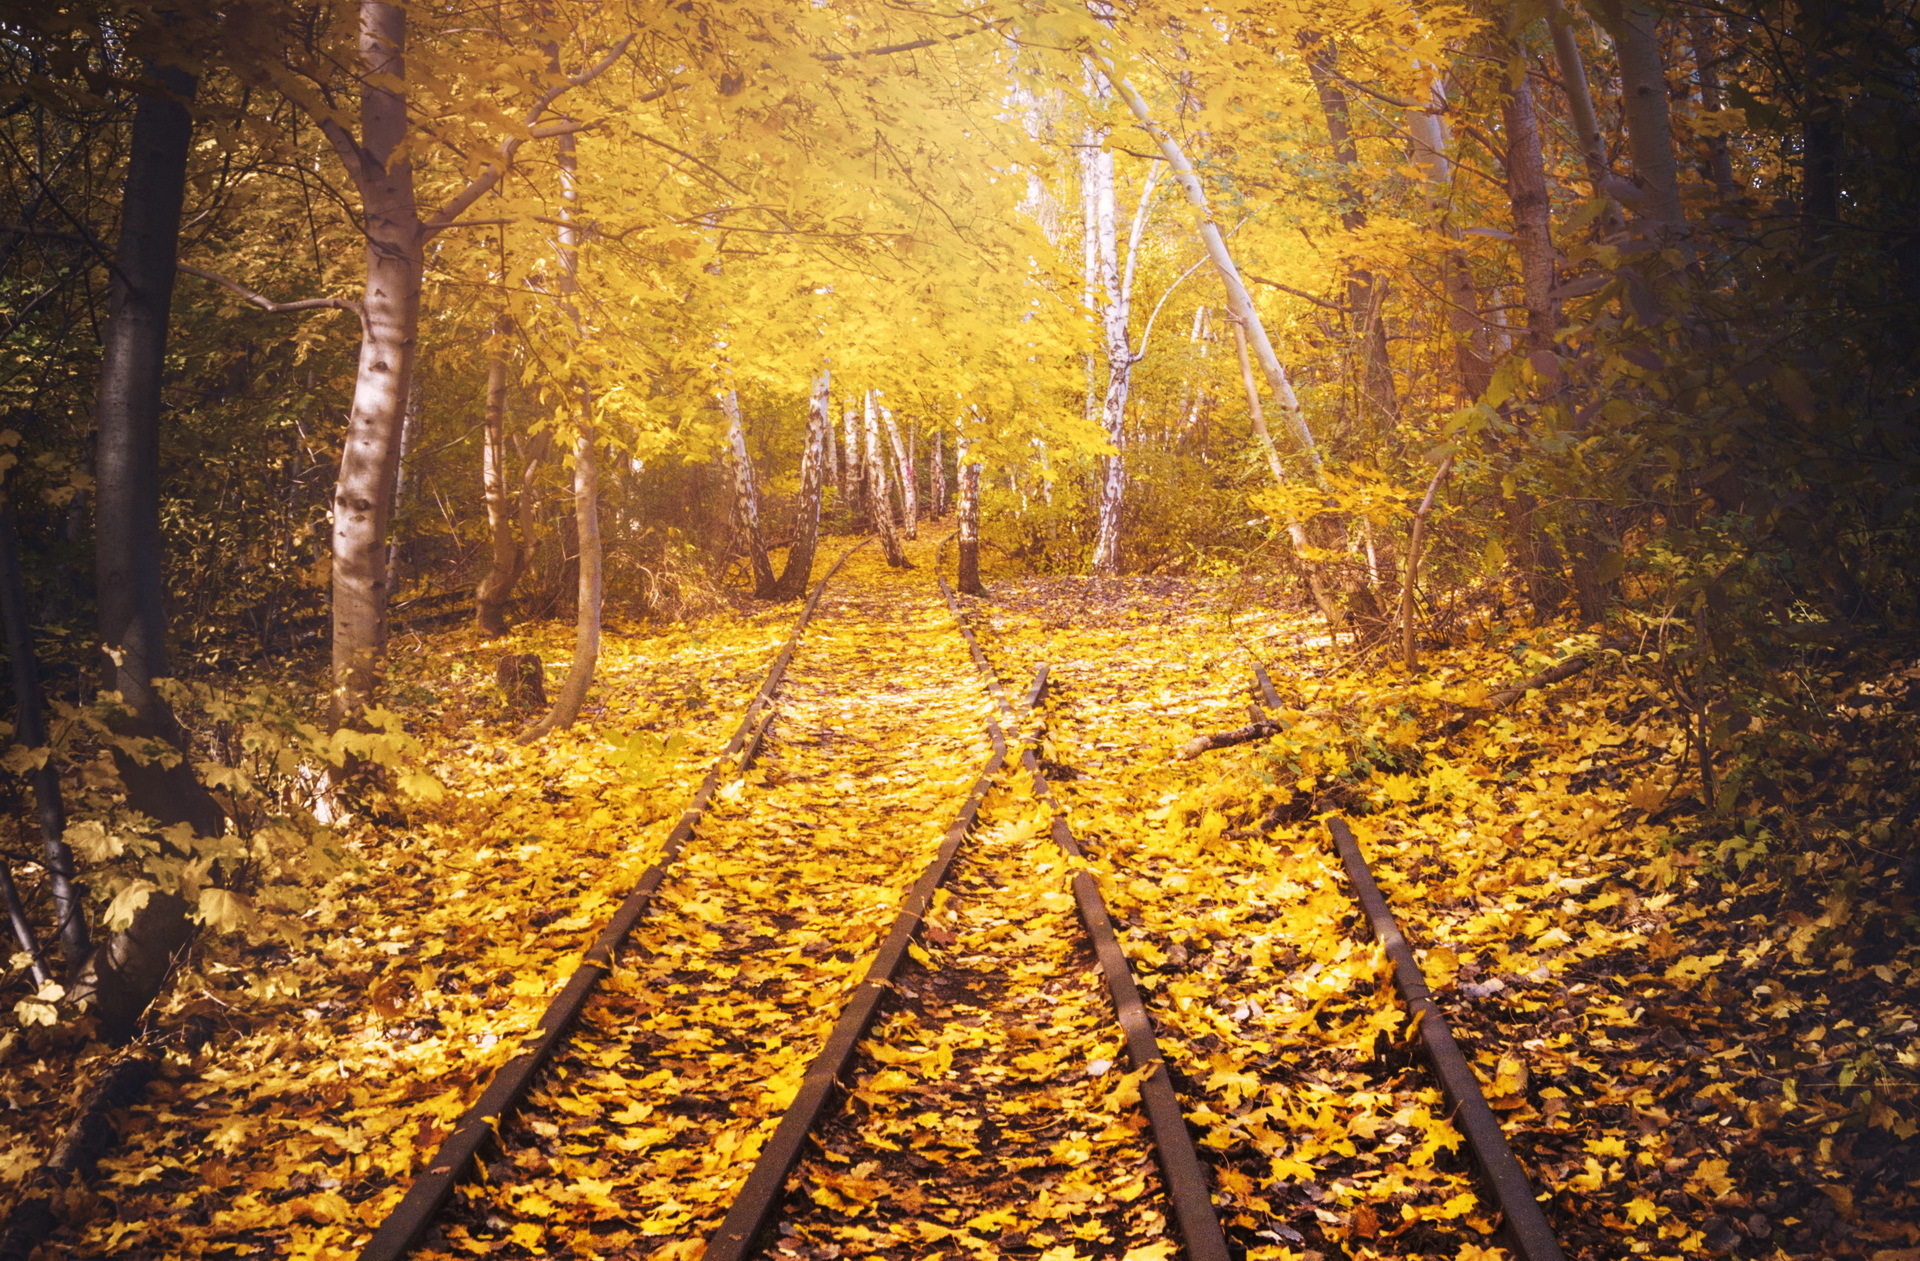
[746,499]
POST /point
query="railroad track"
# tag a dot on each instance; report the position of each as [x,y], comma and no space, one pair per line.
[769,911]
[699,1041]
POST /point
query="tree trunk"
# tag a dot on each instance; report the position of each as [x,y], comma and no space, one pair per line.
[1821,136]
[1239,301]
[369,458]
[490,601]
[830,445]
[909,495]
[526,503]
[937,477]
[1302,546]
[1643,82]
[879,498]
[30,730]
[1706,53]
[813,467]
[969,520]
[1111,305]
[1472,363]
[856,467]
[123,976]
[1527,187]
[1366,294]
[1573,73]
[586,475]
[746,500]
[1410,584]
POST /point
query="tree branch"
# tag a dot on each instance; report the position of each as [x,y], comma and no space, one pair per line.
[268,304]
[1298,293]
[481,183]
[912,45]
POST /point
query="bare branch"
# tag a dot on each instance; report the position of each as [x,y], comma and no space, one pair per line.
[1298,293]
[912,45]
[268,304]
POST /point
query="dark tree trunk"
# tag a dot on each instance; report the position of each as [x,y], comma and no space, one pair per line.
[813,469]
[1706,54]
[127,971]
[969,514]
[1366,293]
[30,729]
[1820,135]
[1527,187]
[490,601]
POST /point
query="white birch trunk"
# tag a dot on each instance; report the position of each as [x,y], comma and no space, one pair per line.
[1239,301]
[856,466]
[879,498]
[909,496]
[968,511]
[746,499]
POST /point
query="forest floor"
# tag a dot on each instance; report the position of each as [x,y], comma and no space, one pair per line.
[1697,1046]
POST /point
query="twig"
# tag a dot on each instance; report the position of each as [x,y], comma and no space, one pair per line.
[268,304]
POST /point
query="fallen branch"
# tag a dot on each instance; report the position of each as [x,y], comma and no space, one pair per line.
[1556,673]
[1261,730]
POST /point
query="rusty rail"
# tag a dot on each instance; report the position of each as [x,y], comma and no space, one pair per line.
[1181,1168]
[1525,1225]
[759,1198]
[433,1187]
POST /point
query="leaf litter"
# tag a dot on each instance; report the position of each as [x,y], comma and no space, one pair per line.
[1700,1037]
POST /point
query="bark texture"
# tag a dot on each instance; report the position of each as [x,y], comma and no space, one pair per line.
[879,497]
[856,465]
[1527,189]
[123,975]
[909,494]
[390,315]
[746,500]
[1109,292]
[1573,76]
[813,472]
[1643,84]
